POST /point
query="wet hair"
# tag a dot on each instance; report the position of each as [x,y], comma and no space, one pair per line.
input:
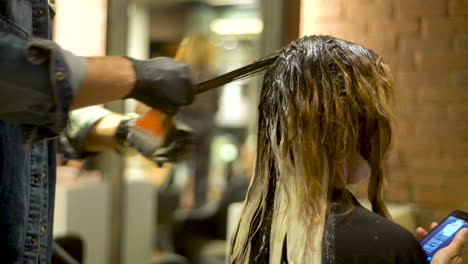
[322,100]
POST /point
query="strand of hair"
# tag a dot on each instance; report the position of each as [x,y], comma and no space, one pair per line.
[237,74]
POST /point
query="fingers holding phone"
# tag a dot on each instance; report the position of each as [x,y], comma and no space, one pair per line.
[445,242]
[453,253]
[421,232]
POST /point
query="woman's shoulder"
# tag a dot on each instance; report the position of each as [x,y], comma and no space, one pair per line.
[363,234]
[371,225]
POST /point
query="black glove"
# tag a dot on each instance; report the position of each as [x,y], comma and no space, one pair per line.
[162,83]
[177,144]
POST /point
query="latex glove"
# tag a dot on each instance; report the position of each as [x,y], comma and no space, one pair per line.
[177,144]
[163,84]
[170,149]
[451,254]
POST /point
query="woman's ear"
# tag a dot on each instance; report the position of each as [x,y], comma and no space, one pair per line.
[357,169]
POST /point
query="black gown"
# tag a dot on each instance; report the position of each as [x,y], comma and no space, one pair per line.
[354,235]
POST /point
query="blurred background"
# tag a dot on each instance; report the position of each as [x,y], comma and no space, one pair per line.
[126,210]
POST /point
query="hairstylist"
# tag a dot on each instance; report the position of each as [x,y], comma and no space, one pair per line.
[39,84]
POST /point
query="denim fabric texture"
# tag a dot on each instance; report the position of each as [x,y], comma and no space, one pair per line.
[35,94]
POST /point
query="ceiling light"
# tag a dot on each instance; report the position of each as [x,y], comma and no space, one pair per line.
[250,26]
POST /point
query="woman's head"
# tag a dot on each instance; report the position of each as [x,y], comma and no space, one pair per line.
[326,96]
[323,101]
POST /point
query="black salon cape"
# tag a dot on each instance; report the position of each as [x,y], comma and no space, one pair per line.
[356,235]
[362,237]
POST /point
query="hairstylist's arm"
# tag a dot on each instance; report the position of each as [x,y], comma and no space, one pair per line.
[451,254]
[113,131]
[107,79]
[161,83]
[95,129]
[40,83]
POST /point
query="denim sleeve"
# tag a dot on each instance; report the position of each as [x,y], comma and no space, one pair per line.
[81,121]
[78,67]
[35,86]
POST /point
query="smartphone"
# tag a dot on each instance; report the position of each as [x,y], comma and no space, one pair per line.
[444,233]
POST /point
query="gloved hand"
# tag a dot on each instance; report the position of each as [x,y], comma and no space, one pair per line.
[172,148]
[178,142]
[163,84]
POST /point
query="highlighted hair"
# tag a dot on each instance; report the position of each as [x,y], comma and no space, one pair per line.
[322,99]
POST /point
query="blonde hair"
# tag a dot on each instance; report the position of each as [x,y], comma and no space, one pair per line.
[197,50]
[322,99]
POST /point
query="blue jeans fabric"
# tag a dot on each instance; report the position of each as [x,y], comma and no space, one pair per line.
[27,189]
[35,94]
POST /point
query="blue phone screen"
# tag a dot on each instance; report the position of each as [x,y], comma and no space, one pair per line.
[442,235]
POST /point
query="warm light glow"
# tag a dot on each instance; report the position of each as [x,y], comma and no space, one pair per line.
[237,26]
[228,152]
[80,26]
[308,14]
[230,2]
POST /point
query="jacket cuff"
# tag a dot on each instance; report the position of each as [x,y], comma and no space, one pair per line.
[39,51]
[81,122]
[78,67]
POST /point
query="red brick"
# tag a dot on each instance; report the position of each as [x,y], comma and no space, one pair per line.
[461,43]
[438,197]
[458,112]
[440,95]
[428,177]
[431,146]
[398,193]
[441,214]
[442,62]
[398,175]
[461,79]
[367,9]
[424,216]
[400,61]
[410,146]
[322,10]
[414,148]
[426,44]
[458,7]
[396,163]
[344,30]
[412,80]
[401,114]
[445,26]
[455,165]
[442,129]
[380,44]
[404,127]
[430,112]
[457,184]
[404,96]
[427,51]
[404,26]
[453,147]
[420,8]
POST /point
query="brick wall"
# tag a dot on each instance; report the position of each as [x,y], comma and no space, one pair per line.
[426,44]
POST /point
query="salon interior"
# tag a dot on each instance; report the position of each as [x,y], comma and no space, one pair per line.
[124,209]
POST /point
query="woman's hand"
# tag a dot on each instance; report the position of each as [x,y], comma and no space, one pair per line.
[421,232]
[451,254]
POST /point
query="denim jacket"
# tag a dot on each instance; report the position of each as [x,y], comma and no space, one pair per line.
[36,89]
